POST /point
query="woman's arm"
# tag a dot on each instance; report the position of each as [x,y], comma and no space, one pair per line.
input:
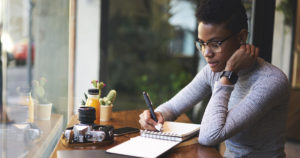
[219,124]
[190,95]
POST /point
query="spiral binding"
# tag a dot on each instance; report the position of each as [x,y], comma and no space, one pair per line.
[161,135]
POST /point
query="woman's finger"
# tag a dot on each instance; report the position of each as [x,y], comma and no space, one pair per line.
[149,119]
[247,51]
[160,118]
[146,121]
[256,52]
[147,126]
[252,51]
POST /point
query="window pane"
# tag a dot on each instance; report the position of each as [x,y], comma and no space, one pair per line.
[150,48]
[39,27]
[296,49]
[283,35]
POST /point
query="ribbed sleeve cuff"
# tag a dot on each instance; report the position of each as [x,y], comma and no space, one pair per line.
[166,113]
[219,86]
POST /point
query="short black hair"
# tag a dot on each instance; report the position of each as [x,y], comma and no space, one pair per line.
[232,13]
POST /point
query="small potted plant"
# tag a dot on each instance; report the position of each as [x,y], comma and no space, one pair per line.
[107,105]
[43,106]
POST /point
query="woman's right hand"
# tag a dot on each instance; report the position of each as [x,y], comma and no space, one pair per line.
[147,122]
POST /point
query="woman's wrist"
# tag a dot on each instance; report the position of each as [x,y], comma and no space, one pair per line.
[230,67]
[224,80]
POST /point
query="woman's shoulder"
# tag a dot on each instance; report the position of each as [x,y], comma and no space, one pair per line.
[269,74]
[267,69]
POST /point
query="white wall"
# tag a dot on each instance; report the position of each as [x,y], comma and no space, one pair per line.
[87,47]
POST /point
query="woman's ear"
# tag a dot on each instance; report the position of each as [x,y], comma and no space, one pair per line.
[243,36]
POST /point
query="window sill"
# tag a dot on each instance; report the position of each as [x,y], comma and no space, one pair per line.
[51,130]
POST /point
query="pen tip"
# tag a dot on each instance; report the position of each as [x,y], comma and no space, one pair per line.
[158,127]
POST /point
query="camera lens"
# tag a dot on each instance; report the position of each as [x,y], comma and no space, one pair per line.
[87,115]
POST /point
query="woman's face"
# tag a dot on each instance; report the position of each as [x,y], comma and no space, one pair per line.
[217,58]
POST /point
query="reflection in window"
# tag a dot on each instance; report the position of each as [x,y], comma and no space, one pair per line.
[41,28]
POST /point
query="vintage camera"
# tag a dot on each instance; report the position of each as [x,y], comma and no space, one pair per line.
[86,131]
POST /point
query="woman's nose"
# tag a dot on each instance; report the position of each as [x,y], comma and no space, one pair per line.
[207,52]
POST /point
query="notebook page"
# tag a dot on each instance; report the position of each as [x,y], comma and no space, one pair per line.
[143,147]
[179,128]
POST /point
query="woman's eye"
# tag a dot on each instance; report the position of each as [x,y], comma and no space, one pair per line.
[214,45]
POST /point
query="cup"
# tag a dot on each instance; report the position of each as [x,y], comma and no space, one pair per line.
[105,112]
[44,111]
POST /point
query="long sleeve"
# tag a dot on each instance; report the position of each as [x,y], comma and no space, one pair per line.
[220,123]
[190,95]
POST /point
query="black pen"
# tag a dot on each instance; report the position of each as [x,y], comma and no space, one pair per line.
[149,104]
[153,116]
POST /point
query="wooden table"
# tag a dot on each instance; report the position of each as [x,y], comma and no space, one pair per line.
[130,118]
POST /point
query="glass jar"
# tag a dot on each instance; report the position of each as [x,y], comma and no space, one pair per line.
[28,101]
[93,101]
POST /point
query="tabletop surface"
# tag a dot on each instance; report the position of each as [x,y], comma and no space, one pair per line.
[130,118]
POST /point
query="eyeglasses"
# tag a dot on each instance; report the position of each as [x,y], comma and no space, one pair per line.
[215,46]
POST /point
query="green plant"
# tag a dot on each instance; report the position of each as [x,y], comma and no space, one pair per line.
[39,92]
[286,7]
[98,85]
[109,99]
[150,60]
[83,102]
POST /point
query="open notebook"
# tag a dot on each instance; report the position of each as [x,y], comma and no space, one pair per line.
[153,144]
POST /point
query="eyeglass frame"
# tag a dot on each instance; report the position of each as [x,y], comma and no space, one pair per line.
[218,43]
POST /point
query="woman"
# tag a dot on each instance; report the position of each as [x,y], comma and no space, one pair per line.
[248,106]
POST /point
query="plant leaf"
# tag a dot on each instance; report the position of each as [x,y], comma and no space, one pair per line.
[85,96]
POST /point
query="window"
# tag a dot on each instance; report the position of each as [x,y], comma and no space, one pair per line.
[283,36]
[296,65]
[150,48]
[40,27]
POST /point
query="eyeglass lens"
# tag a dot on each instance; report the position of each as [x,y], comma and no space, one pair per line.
[214,46]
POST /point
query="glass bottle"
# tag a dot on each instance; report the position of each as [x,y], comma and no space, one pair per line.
[28,101]
[93,101]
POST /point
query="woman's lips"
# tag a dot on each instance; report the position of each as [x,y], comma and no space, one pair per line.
[212,64]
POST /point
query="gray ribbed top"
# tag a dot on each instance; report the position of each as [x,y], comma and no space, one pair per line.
[249,115]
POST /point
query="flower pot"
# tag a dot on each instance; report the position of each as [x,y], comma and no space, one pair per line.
[44,111]
[105,112]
